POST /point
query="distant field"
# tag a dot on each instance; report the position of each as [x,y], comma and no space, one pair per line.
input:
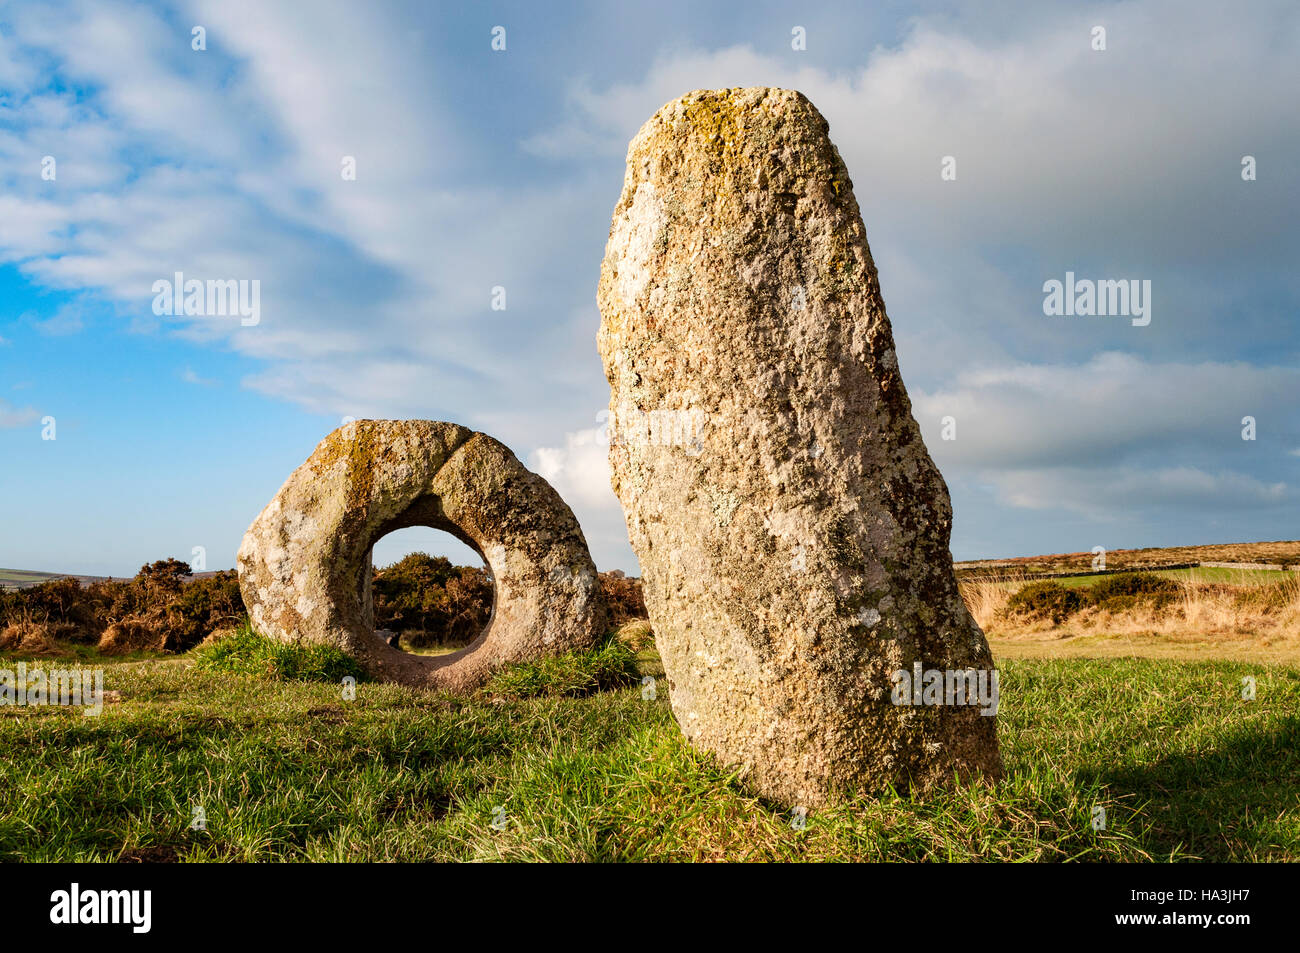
[18,578]
[1203,574]
[1243,615]
[22,578]
[1282,552]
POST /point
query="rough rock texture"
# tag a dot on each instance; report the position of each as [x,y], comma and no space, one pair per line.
[794,551]
[304,563]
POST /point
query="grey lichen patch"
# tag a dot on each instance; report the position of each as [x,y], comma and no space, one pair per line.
[723,505]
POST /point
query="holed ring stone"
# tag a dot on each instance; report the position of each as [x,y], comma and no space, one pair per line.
[304,565]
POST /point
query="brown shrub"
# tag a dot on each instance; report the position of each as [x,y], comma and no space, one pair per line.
[70,611]
[623,596]
[432,602]
[131,635]
[26,638]
[178,610]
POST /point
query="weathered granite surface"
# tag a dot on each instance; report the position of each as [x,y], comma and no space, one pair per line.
[794,550]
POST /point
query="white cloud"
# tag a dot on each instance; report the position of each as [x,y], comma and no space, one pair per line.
[1115,493]
[1111,407]
[67,320]
[12,417]
[1035,119]
[579,471]
[1113,436]
[375,292]
[190,376]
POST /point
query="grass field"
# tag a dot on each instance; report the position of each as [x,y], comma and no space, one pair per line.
[1135,708]
[1183,767]
[1199,575]
[21,578]
[1210,614]
[15,578]
[1278,551]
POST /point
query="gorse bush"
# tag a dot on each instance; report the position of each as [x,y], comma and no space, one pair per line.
[1045,600]
[1122,592]
[164,609]
[245,652]
[1131,584]
[432,601]
[623,596]
[161,609]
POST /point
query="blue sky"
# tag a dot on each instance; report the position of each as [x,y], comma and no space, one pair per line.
[478,168]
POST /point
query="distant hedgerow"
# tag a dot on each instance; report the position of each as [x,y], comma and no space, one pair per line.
[165,608]
[1049,599]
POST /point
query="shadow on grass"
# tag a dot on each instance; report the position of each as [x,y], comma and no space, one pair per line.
[1226,804]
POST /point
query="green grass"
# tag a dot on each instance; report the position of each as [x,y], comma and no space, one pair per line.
[247,653]
[613,665]
[289,770]
[22,577]
[1203,574]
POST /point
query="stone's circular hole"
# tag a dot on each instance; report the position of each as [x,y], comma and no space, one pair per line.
[430,593]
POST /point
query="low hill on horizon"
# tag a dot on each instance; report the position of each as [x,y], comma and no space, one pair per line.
[22,578]
[1279,553]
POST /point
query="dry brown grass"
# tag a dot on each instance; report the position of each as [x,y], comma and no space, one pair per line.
[1208,620]
[27,638]
[986,596]
[636,634]
[130,635]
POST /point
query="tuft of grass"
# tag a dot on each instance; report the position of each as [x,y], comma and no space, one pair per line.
[246,652]
[575,674]
[636,634]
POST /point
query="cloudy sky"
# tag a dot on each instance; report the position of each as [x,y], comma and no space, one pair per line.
[479,169]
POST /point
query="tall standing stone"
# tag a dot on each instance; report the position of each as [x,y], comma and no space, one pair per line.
[791,528]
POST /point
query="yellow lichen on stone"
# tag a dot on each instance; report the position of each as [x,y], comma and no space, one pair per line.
[715,119]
